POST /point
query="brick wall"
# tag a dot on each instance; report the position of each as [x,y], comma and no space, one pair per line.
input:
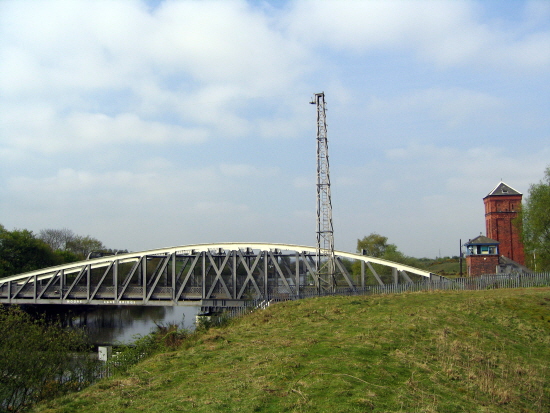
[500,211]
[481,264]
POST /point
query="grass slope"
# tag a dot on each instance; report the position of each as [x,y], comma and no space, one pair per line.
[446,266]
[471,351]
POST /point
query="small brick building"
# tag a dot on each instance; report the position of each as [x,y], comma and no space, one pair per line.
[501,250]
[482,256]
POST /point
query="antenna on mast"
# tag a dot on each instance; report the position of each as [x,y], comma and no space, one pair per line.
[325,263]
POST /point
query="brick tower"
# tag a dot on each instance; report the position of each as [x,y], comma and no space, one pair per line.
[501,207]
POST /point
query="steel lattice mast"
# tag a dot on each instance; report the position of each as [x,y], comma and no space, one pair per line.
[325,232]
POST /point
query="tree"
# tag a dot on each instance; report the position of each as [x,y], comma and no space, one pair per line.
[21,251]
[374,245]
[71,247]
[66,256]
[82,246]
[535,220]
[57,239]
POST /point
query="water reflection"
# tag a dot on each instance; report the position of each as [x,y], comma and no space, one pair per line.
[112,324]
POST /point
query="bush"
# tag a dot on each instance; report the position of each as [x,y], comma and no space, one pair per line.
[165,337]
[38,360]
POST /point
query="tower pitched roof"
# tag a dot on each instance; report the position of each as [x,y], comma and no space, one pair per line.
[503,189]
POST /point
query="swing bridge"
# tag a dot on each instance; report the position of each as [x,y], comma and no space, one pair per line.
[218,275]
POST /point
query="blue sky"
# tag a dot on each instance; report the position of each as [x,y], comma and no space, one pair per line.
[149,124]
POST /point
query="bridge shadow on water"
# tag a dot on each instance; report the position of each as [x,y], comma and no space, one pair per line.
[116,324]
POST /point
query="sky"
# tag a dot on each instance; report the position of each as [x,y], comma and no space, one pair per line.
[149,124]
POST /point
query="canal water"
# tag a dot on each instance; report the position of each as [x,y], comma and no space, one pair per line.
[107,325]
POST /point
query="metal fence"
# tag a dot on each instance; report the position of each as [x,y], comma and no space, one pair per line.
[483,282]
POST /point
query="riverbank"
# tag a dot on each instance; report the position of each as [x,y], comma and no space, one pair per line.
[432,351]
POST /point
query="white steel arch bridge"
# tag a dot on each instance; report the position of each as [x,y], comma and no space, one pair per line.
[210,275]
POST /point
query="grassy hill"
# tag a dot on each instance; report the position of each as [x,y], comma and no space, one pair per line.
[446,266]
[470,351]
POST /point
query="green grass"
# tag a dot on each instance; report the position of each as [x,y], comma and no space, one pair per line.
[445,266]
[470,351]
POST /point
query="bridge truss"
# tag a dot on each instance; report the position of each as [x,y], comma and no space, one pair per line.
[215,275]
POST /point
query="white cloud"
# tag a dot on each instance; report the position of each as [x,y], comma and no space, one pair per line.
[355,25]
[71,43]
[199,61]
[302,182]
[220,208]
[464,170]
[69,183]
[220,42]
[189,121]
[448,33]
[453,106]
[530,52]
[39,128]
[247,171]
